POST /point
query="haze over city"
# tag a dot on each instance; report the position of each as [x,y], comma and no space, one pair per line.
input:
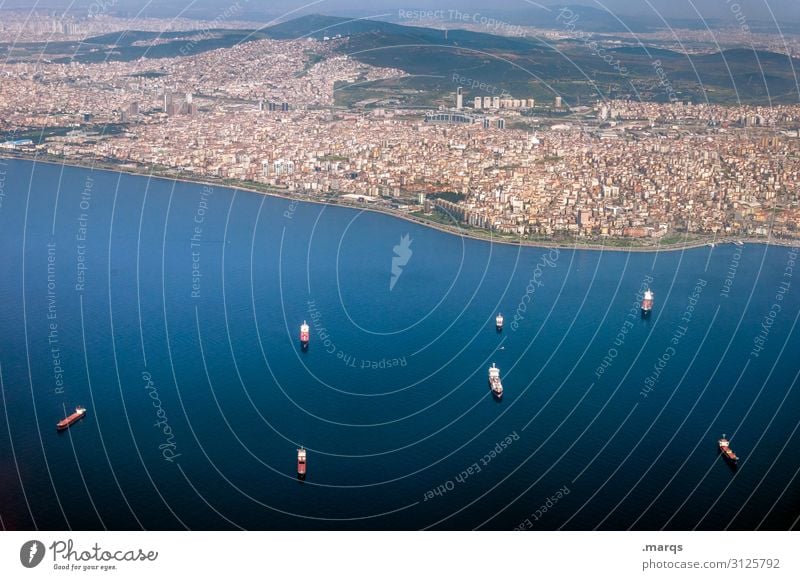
[780,10]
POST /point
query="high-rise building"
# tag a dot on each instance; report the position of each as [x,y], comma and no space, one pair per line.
[284,107]
[495,102]
[501,123]
[487,102]
[459,99]
[167,101]
[282,167]
[478,103]
[449,116]
[557,102]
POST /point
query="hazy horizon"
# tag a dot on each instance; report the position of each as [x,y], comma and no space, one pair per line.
[753,10]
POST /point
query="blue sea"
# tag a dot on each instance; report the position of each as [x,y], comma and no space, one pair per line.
[171,311]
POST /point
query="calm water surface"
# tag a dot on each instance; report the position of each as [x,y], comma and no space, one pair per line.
[171,311]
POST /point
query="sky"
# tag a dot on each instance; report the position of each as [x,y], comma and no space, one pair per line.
[783,10]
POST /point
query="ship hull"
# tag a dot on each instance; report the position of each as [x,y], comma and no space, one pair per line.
[496,393]
[67,422]
[647,303]
[494,383]
[301,464]
[728,455]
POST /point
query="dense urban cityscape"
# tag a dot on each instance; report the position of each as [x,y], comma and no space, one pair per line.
[265,113]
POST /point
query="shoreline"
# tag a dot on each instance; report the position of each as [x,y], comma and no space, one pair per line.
[142,171]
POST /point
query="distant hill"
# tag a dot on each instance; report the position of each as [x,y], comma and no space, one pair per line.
[369,33]
[752,73]
[319,25]
[647,51]
[436,61]
[518,65]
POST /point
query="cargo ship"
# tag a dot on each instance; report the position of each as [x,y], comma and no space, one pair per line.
[494,382]
[79,414]
[498,321]
[304,335]
[727,452]
[301,463]
[647,302]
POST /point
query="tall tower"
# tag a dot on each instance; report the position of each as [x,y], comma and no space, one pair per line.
[459,99]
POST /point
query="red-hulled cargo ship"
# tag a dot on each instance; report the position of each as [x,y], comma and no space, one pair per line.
[494,381]
[304,335]
[647,302]
[727,452]
[79,414]
[301,463]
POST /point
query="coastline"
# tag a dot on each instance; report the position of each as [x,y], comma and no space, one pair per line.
[455,230]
